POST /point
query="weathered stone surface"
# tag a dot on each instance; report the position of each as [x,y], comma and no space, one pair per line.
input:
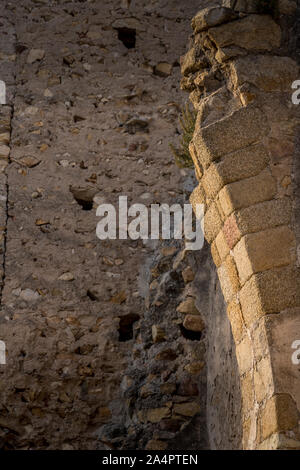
[166,355]
[158,334]
[244,353]
[236,320]
[212,223]
[247,186]
[257,218]
[34,55]
[270,292]
[191,62]
[263,379]
[163,69]
[264,250]
[186,409]
[222,245]
[157,414]
[287,7]
[269,73]
[212,16]
[193,323]
[280,414]
[4,151]
[197,197]
[188,274]
[247,392]
[236,131]
[253,32]
[96,115]
[156,445]
[248,192]
[194,368]
[228,278]
[196,161]
[233,167]
[188,307]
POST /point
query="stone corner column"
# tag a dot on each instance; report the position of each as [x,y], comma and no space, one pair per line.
[239,73]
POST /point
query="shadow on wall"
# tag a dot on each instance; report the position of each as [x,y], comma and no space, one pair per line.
[223,410]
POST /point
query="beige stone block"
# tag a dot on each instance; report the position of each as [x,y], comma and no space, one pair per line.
[225,283]
[157,414]
[283,334]
[191,62]
[236,166]
[4,138]
[212,223]
[263,379]
[194,368]
[279,442]
[215,254]
[158,334]
[244,353]
[194,323]
[247,391]
[246,433]
[222,245]
[260,251]
[254,32]
[212,181]
[270,292]
[228,278]
[188,307]
[232,273]
[219,207]
[264,215]
[234,132]
[280,414]
[247,192]
[187,409]
[196,161]
[231,231]
[188,275]
[212,16]
[197,197]
[260,340]
[269,73]
[236,320]
[256,218]
[243,163]
[4,151]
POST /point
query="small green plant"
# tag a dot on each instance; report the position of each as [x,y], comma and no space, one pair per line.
[268,7]
[182,154]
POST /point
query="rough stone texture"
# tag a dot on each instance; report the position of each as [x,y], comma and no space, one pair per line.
[87,119]
[251,33]
[252,204]
[210,17]
[116,344]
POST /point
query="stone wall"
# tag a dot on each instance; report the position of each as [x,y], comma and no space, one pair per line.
[239,71]
[131,345]
[93,100]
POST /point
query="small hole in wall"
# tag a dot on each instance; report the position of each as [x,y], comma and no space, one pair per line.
[187,334]
[127,36]
[85,205]
[92,296]
[126,326]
